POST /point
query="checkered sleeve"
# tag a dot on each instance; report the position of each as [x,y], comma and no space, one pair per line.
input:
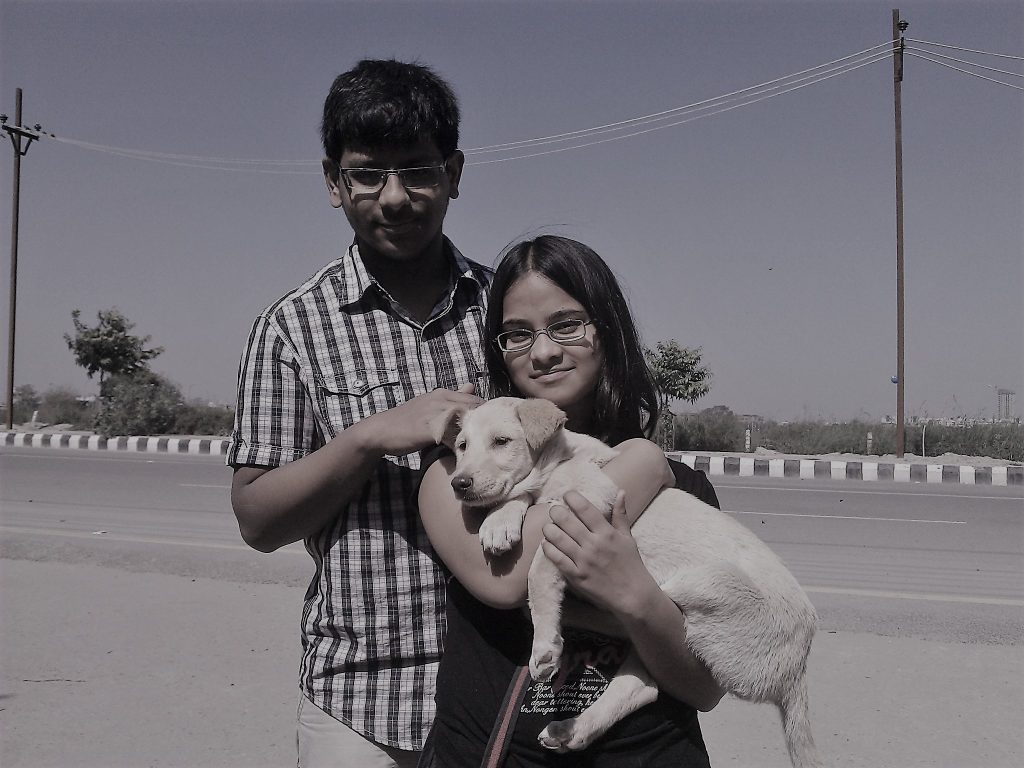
[274,422]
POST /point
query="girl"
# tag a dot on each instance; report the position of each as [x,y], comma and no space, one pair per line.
[559,328]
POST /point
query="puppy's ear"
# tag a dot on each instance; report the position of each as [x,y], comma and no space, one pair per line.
[447,425]
[541,419]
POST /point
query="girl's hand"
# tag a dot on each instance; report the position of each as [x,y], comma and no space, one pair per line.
[597,557]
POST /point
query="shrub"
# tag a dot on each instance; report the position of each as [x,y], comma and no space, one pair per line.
[63,406]
[199,419]
[144,403]
[26,402]
[713,429]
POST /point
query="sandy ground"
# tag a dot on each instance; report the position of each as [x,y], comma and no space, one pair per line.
[105,668]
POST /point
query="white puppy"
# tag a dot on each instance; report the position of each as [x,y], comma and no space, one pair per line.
[746,616]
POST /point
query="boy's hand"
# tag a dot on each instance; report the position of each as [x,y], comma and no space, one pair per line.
[411,426]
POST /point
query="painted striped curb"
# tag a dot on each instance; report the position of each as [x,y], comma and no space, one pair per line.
[737,466]
[195,446]
[827,469]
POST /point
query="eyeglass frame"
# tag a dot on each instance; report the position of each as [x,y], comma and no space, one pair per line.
[547,332]
[387,172]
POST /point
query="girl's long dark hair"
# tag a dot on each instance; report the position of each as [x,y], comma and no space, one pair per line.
[626,402]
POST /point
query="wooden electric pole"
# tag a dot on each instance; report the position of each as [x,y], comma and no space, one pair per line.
[898,27]
[16,134]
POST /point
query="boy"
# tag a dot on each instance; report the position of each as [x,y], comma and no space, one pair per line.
[338,388]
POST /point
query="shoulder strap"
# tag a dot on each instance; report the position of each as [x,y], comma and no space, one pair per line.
[504,725]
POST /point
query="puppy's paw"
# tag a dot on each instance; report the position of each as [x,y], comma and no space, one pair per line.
[498,535]
[563,736]
[545,659]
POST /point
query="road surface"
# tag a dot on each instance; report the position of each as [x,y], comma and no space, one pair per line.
[138,630]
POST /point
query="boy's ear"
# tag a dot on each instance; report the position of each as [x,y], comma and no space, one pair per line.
[332,178]
[541,419]
[454,167]
[447,426]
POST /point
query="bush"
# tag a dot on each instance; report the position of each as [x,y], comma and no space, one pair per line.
[26,402]
[63,406]
[713,429]
[199,419]
[144,403]
[719,429]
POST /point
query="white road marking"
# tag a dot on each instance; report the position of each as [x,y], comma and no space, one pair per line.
[920,489]
[844,517]
[916,596]
[295,548]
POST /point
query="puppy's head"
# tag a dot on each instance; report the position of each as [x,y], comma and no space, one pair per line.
[497,444]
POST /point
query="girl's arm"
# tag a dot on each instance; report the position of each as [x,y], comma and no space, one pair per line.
[640,470]
[600,562]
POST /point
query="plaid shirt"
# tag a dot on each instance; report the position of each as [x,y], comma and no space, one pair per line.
[334,351]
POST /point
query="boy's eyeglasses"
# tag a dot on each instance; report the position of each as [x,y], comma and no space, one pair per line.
[370,181]
[521,339]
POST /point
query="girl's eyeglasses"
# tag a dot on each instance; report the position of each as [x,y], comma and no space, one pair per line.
[562,332]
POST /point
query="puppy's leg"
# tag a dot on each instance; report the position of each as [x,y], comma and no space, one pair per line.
[546,589]
[630,689]
[503,527]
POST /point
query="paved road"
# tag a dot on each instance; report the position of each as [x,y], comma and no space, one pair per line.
[135,618]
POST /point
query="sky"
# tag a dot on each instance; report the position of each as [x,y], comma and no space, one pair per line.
[764,234]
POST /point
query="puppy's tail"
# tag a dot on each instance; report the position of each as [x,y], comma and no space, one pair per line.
[796,721]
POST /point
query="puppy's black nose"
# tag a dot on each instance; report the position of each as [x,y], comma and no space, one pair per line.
[461,483]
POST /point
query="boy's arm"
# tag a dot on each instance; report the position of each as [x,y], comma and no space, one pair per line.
[278,506]
[501,581]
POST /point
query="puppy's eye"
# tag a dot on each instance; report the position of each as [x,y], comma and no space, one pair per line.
[460,446]
[502,440]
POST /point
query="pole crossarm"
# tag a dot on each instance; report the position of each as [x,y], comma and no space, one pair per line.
[16,133]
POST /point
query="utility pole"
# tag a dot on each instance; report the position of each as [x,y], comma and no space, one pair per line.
[16,134]
[898,28]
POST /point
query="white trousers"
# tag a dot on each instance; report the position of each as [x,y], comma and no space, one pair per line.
[324,742]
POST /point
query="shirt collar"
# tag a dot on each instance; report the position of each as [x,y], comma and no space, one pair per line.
[356,279]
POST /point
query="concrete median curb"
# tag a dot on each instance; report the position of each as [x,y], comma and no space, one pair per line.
[196,446]
[831,469]
[805,468]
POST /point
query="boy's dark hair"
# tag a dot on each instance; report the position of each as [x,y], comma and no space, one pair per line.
[626,400]
[387,102]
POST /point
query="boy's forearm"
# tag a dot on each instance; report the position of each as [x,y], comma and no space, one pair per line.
[296,500]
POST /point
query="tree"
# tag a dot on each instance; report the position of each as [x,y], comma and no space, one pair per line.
[678,375]
[108,348]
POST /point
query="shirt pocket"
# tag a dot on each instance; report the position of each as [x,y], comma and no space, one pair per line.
[347,397]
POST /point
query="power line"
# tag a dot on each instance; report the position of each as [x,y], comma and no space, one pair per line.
[962,61]
[964,71]
[965,50]
[674,123]
[188,161]
[622,129]
[711,107]
[665,114]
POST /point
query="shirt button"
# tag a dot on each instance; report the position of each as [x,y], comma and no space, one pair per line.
[359,383]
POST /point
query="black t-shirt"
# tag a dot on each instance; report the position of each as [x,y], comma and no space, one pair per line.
[484,646]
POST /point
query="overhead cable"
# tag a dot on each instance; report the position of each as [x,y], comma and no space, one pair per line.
[713,111]
[962,61]
[668,113]
[965,50]
[187,161]
[964,71]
